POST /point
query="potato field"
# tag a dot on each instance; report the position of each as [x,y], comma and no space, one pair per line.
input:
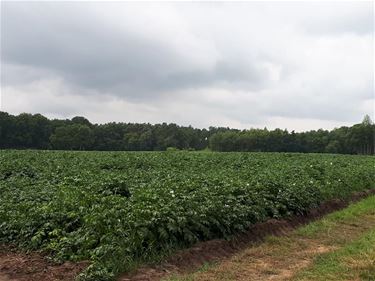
[121,209]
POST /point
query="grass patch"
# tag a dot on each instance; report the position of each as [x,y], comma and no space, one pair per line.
[347,215]
[355,261]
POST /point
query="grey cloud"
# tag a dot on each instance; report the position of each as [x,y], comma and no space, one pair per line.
[90,54]
[357,18]
[237,74]
[80,51]
[236,62]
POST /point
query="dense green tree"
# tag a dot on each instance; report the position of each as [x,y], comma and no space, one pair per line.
[38,132]
[75,137]
[24,131]
[81,120]
[6,130]
[361,137]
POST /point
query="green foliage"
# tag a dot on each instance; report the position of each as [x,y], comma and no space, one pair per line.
[75,137]
[358,139]
[119,209]
[38,132]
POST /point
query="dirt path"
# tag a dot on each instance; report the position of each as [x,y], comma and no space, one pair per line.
[4,277]
[274,262]
[280,258]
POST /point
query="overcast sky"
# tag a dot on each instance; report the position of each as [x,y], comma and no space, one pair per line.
[295,65]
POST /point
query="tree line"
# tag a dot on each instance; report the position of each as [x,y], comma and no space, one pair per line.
[35,131]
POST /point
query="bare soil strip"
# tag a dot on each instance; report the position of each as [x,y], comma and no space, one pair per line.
[20,266]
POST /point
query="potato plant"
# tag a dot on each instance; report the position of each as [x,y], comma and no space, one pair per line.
[119,209]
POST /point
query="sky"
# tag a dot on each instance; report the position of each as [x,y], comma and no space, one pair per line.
[294,65]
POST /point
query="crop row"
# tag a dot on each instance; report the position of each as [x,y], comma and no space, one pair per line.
[118,209]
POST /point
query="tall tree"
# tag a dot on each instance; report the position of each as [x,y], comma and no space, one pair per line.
[72,137]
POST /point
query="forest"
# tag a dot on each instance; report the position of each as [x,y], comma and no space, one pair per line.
[35,131]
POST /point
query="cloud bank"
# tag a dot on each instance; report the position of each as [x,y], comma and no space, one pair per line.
[291,65]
